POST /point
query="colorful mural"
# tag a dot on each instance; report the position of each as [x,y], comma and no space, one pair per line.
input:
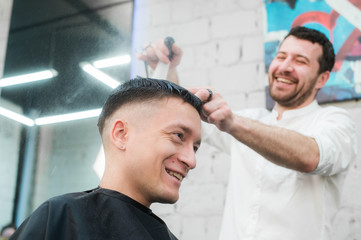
[340,21]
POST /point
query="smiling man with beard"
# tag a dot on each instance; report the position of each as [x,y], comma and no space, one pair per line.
[288,165]
[151,130]
[298,71]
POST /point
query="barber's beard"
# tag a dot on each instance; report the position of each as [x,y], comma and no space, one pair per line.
[294,99]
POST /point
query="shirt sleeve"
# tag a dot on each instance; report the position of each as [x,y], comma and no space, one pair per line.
[335,135]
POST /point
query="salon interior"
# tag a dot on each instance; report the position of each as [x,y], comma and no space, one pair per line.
[60,59]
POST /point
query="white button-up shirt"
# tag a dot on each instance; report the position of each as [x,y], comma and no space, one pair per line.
[269,202]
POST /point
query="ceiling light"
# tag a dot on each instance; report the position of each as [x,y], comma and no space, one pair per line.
[109,62]
[68,117]
[26,78]
[99,75]
[17,117]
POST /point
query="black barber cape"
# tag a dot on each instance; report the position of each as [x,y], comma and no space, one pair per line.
[96,214]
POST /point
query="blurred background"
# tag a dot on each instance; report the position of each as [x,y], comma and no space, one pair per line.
[63,45]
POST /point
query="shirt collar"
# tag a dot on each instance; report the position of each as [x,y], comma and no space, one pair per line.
[297,112]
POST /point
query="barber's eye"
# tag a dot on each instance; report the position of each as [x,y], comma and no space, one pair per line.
[180,135]
[195,148]
[280,57]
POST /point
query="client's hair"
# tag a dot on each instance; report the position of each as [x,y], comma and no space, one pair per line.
[142,90]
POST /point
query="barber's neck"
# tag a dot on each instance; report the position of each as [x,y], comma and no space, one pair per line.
[280,109]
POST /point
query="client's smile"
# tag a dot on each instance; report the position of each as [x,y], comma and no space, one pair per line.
[178,176]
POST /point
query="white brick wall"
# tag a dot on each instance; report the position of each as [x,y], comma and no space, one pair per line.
[348,221]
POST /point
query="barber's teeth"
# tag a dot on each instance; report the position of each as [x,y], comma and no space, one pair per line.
[174,174]
[284,80]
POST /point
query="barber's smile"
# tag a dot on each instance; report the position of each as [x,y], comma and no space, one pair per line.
[284,80]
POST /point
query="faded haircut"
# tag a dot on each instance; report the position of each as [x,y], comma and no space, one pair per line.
[141,90]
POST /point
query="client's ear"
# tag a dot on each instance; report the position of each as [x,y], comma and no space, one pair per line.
[119,133]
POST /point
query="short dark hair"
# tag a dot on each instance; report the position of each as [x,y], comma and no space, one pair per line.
[327,60]
[144,89]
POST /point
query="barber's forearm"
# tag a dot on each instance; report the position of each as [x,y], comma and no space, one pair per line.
[172,76]
[281,146]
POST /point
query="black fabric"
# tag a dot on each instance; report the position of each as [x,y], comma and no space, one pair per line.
[95,214]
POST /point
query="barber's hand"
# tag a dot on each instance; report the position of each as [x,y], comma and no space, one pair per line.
[158,51]
[215,108]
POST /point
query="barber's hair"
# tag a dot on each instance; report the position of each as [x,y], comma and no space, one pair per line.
[143,90]
[327,59]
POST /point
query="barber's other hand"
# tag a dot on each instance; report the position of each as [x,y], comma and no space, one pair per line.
[158,51]
[216,110]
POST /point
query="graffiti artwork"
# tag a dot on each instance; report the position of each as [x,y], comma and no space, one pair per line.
[340,21]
